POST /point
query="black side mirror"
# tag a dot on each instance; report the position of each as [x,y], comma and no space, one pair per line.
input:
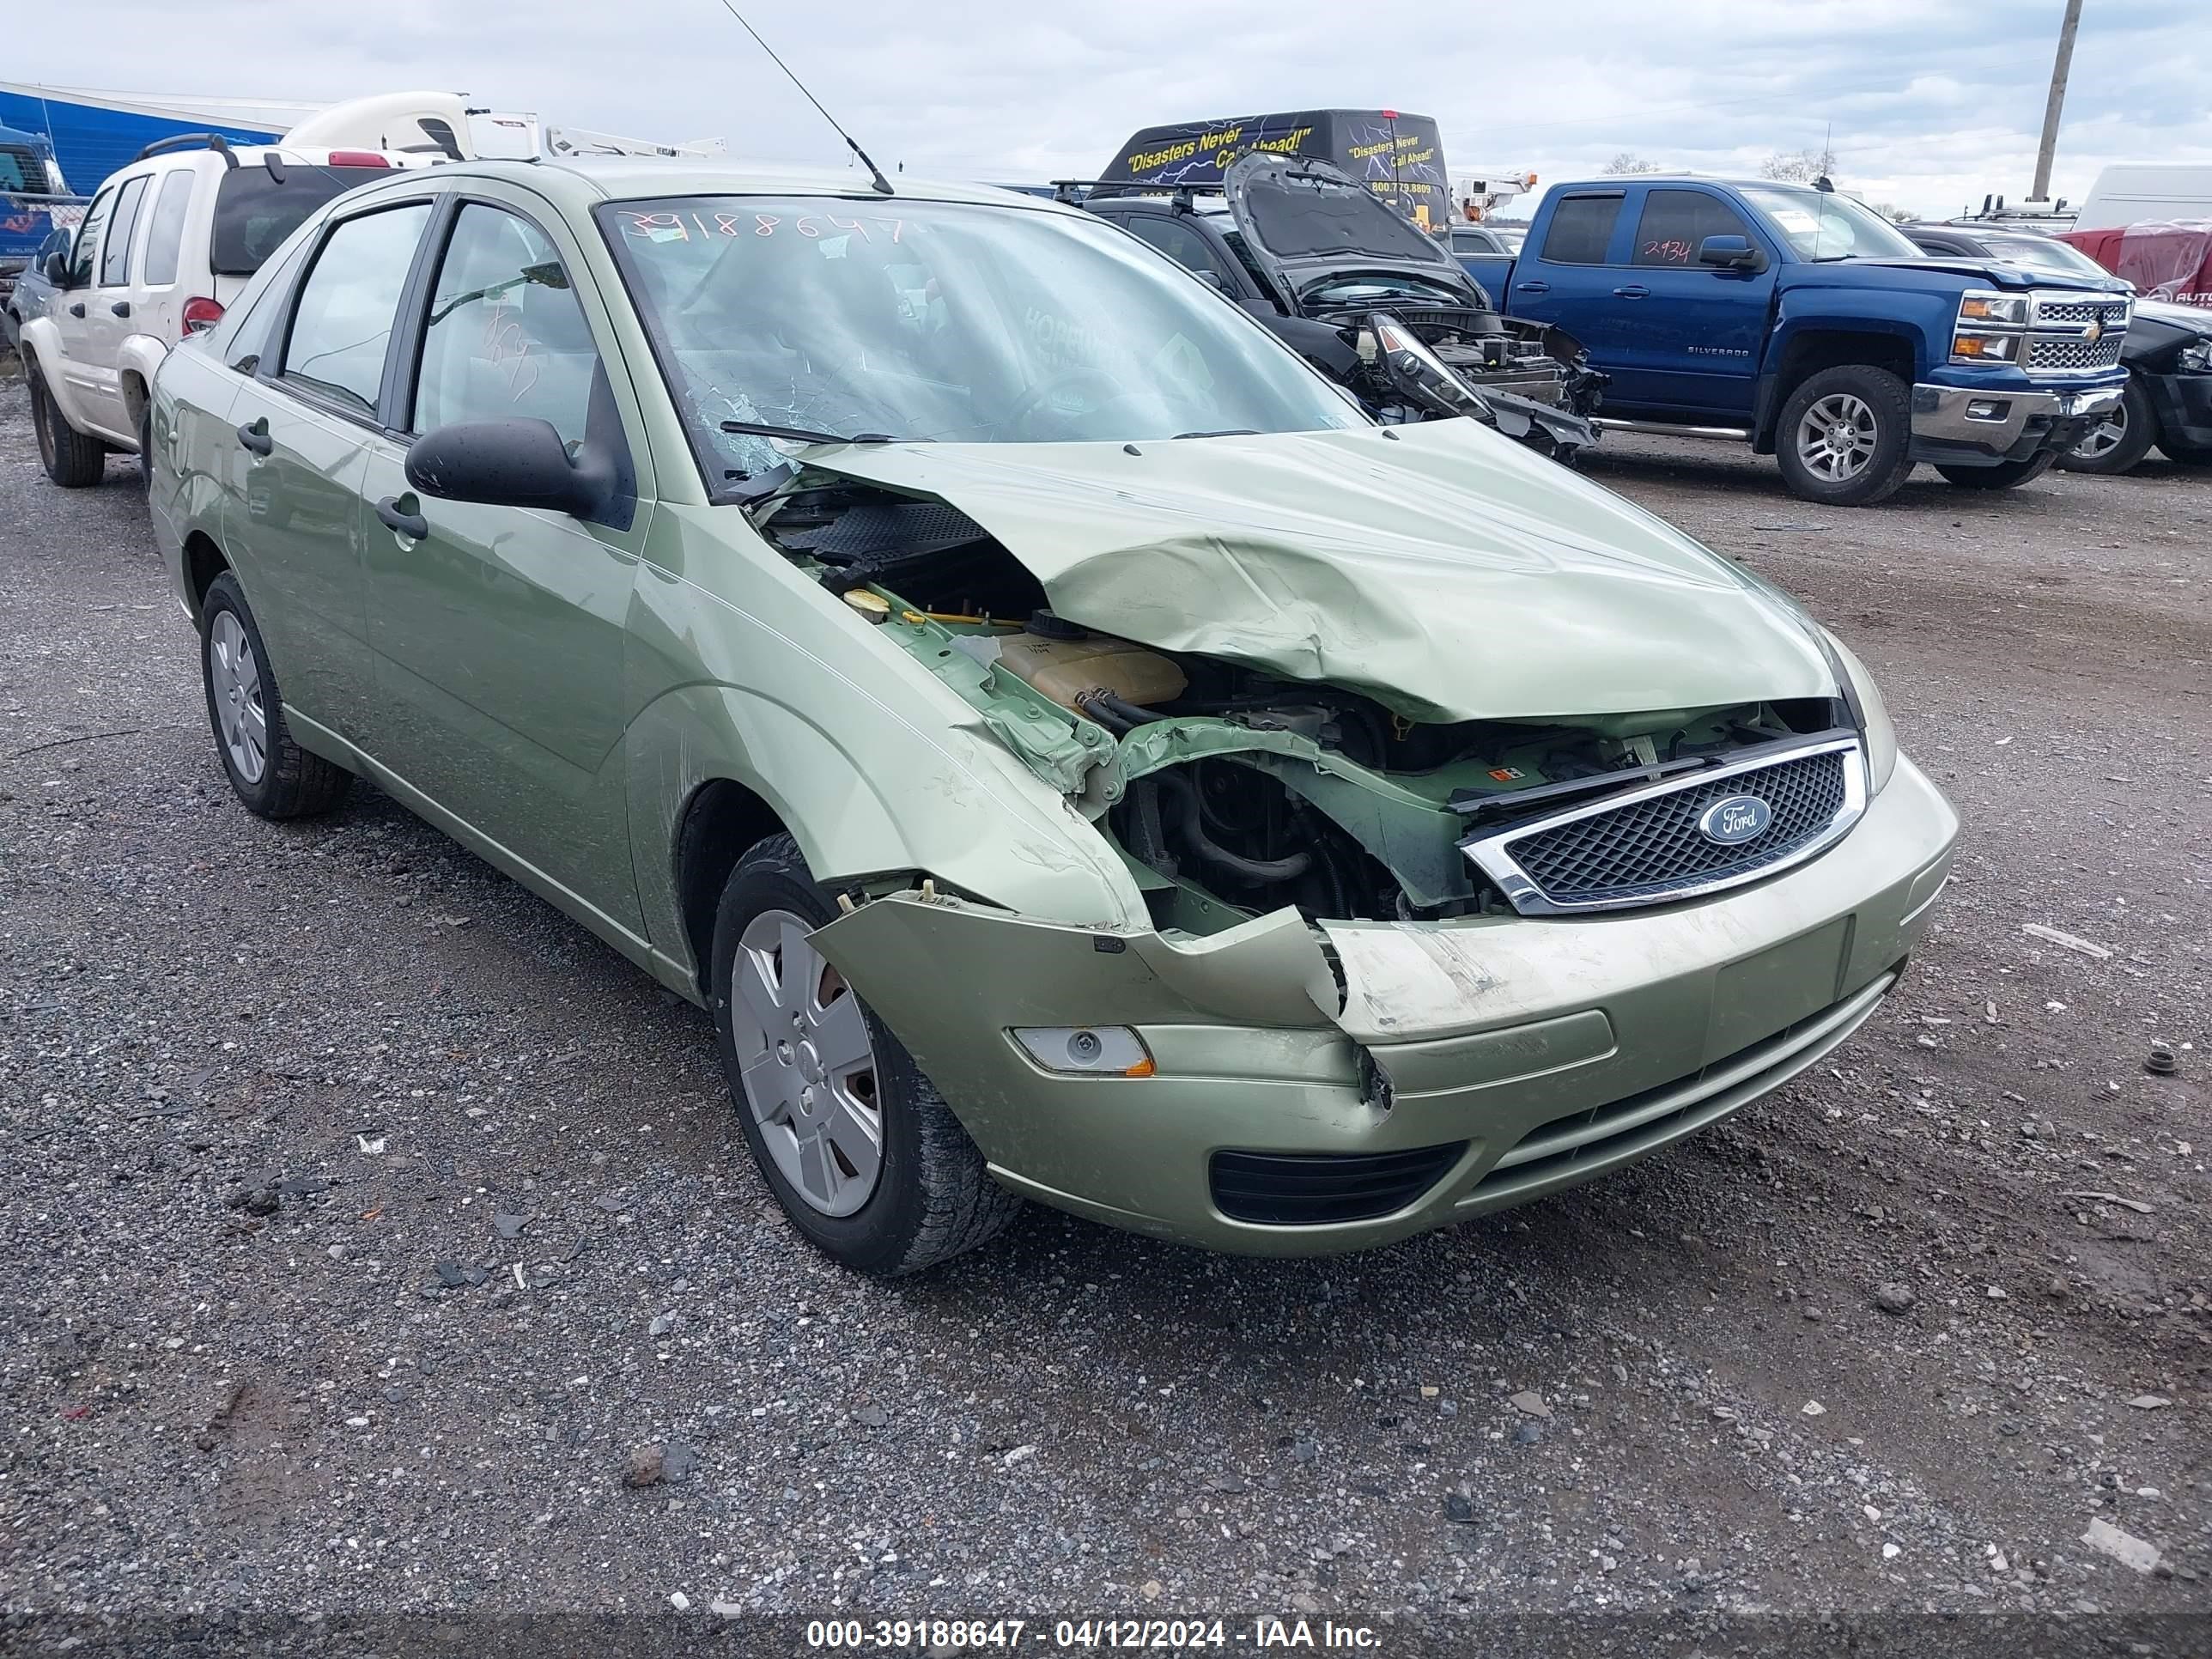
[515,462]
[1730,253]
[55,269]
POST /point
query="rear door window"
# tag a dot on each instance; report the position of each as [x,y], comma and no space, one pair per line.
[115,251]
[165,235]
[343,322]
[1675,221]
[1582,230]
[255,210]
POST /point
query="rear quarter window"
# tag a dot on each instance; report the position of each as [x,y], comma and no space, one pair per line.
[165,236]
[255,212]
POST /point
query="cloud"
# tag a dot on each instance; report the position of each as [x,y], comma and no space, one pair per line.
[1929,105]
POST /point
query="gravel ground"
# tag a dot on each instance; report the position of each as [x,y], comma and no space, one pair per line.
[363,1220]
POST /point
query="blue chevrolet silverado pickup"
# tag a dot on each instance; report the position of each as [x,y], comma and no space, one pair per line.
[1798,321]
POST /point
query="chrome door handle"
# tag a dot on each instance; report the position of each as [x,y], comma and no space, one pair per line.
[1633,291]
[1532,287]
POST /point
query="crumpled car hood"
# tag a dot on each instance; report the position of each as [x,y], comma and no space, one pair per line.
[1447,572]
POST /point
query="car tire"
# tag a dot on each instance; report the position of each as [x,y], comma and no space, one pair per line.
[811,1114]
[1844,438]
[146,448]
[275,777]
[2183,455]
[2005,474]
[71,459]
[2116,444]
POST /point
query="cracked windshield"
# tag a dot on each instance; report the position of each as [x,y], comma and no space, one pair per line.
[907,321]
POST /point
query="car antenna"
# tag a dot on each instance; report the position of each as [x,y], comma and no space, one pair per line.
[881,184]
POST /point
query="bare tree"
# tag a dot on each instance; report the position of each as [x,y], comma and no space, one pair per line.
[1799,166]
[1629,162]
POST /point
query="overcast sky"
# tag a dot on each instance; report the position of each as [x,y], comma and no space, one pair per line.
[1932,103]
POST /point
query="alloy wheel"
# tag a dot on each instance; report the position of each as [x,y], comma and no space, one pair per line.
[1835,437]
[2107,435]
[235,677]
[807,1064]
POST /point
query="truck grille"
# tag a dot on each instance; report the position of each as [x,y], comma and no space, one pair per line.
[1648,848]
[2075,354]
[2112,314]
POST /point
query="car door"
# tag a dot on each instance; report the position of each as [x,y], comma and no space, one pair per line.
[83,391]
[500,631]
[301,432]
[1690,334]
[107,322]
[1567,279]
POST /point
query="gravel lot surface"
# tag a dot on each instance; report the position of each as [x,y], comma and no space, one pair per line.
[364,1222]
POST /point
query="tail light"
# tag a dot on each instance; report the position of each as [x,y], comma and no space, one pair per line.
[357,158]
[202,315]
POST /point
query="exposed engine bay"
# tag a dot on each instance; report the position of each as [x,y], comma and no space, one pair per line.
[1228,791]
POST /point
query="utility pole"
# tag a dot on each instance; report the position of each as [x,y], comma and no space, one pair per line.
[2056,102]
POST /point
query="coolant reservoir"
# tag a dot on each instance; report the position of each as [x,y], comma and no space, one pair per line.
[1063,669]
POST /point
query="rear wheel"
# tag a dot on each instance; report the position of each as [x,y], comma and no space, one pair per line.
[146,447]
[272,774]
[859,1149]
[71,459]
[2005,474]
[2120,439]
[1844,436]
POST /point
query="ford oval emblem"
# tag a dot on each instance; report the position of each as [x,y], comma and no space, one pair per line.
[1734,818]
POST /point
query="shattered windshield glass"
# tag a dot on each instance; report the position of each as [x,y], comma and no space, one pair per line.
[895,320]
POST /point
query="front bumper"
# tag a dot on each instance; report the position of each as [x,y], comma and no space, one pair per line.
[2183,405]
[1964,424]
[1547,1050]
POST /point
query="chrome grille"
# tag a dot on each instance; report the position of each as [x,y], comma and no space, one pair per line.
[2107,312]
[2075,354]
[1646,847]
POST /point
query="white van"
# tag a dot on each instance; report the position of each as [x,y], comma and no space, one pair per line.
[2130,193]
[167,243]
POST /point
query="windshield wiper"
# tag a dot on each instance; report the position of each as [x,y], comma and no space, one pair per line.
[1225,432]
[800,435]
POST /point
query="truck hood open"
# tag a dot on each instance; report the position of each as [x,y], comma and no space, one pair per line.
[1447,572]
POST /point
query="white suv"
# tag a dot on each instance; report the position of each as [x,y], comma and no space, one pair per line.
[167,242]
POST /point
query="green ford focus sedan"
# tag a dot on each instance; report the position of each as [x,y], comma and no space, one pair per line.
[1071,751]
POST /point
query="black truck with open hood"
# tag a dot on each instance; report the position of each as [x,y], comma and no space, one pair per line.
[1308,250]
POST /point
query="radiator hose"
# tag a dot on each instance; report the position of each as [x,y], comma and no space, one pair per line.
[1189,820]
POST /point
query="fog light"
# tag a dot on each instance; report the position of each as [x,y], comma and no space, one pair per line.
[1988,408]
[1087,1050]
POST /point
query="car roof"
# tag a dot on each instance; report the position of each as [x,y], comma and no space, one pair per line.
[584,181]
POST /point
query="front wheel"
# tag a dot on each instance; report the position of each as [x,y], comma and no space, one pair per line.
[2120,439]
[70,459]
[2005,474]
[1845,436]
[859,1149]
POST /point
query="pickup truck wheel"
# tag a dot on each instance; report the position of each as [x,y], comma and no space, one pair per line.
[859,1149]
[2120,439]
[71,459]
[1844,436]
[273,776]
[2005,474]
